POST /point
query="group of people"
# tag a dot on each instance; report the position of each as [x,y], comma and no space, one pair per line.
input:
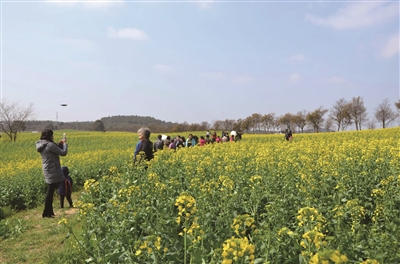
[56,177]
[164,142]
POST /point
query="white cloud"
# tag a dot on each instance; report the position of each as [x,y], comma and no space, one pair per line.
[127,33]
[243,79]
[392,47]
[336,79]
[295,77]
[296,58]
[357,15]
[164,69]
[92,4]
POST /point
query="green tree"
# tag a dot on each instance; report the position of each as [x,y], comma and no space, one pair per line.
[98,125]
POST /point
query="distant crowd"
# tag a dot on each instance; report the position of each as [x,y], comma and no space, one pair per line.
[166,142]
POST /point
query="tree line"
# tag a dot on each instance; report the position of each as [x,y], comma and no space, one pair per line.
[343,114]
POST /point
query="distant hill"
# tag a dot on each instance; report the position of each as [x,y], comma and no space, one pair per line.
[112,123]
[133,123]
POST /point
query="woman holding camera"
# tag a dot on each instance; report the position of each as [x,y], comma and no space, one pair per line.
[51,166]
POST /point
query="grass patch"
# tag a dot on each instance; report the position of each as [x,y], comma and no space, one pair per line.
[33,239]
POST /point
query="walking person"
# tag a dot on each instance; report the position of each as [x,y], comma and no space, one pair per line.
[65,188]
[190,141]
[288,134]
[167,141]
[202,141]
[208,140]
[144,145]
[51,166]
[159,144]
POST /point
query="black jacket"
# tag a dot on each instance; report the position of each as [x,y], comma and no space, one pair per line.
[147,148]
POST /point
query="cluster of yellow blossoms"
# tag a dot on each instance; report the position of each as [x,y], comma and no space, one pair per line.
[238,250]
[327,256]
[91,186]
[242,224]
[186,207]
[149,244]
[308,214]
[313,237]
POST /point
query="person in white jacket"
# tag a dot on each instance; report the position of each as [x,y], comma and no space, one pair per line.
[51,166]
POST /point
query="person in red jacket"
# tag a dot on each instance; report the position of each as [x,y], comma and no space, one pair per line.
[202,141]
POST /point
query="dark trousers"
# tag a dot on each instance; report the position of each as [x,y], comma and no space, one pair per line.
[48,204]
[69,199]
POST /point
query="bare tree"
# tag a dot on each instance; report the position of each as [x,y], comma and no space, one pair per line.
[13,117]
[328,124]
[286,120]
[300,120]
[237,126]
[205,125]
[346,120]
[228,124]
[397,104]
[385,114]
[339,112]
[185,126]
[256,121]
[275,124]
[247,123]
[316,118]
[358,112]
[217,125]
[268,121]
[371,125]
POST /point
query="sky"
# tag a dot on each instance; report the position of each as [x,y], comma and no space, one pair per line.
[195,61]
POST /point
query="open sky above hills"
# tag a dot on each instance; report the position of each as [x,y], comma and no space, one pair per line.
[197,61]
